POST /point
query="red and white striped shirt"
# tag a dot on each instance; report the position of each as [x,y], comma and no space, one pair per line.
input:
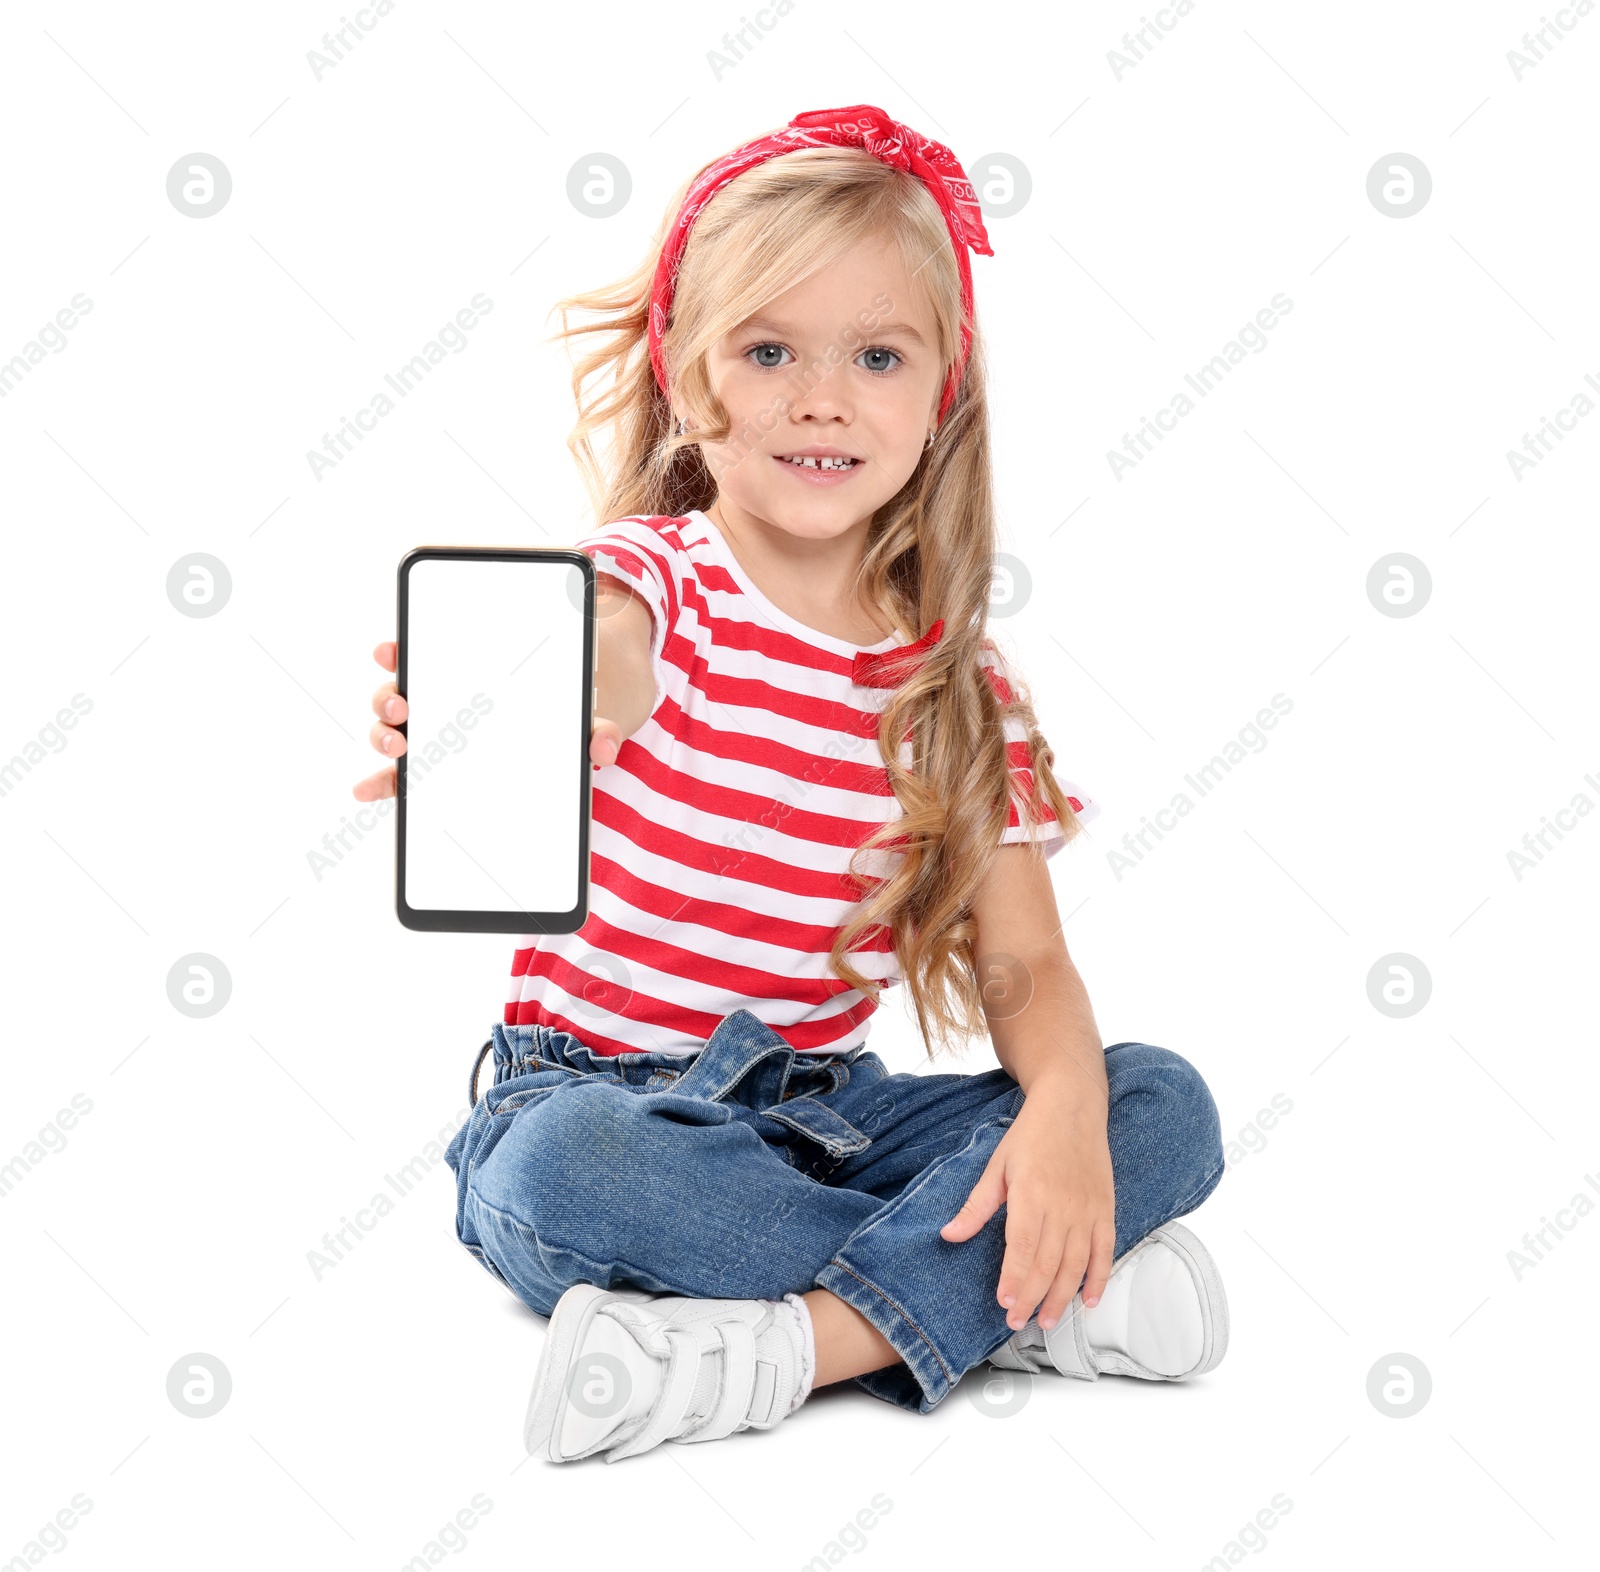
[721,836]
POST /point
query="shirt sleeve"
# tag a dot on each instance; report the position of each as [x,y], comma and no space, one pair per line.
[632,550]
[1020,826]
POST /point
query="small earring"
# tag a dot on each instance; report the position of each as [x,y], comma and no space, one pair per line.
[682,427]
[929,443]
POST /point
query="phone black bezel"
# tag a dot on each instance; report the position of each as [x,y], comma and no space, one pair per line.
[438,921]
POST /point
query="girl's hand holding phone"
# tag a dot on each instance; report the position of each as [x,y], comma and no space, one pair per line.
[626,687]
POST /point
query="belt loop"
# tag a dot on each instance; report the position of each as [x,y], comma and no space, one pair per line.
[818,1122]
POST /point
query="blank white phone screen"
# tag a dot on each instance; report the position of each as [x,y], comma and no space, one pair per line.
[494,744]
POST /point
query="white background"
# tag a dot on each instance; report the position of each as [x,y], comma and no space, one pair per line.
[1168,206]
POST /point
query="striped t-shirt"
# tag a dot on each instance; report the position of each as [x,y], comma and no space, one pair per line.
[721,835]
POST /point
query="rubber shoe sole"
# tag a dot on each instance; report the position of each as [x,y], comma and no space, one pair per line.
[547,1404]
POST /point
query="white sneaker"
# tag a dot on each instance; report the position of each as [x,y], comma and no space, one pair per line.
[1163,1317]
[623,1371]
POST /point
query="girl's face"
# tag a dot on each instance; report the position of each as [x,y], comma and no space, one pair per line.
[844,365]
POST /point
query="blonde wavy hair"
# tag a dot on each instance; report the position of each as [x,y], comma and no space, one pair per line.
[930,549]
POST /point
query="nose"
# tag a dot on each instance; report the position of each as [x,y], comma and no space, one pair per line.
[826,397]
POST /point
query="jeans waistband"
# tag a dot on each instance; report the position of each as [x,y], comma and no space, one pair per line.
[742,1055]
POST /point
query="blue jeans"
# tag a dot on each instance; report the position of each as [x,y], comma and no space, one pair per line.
[749,1171]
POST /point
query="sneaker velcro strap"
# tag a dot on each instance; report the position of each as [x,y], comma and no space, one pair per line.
[649,1331]
[1069,1348]
[677,1392]
[1009,1357]
[732,1407]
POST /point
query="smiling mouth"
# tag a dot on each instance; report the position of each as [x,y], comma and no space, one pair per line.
[820,463]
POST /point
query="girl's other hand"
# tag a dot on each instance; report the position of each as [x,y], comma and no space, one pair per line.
[1052,1169]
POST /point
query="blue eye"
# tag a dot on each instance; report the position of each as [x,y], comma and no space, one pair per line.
[768,357]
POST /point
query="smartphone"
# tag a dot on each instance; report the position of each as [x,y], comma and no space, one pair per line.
[497,665]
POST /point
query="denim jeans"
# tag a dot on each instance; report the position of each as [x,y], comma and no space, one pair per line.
[749,1171]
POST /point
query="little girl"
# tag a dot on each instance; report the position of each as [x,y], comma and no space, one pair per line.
[818,778]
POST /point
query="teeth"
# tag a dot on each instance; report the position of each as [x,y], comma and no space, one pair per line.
[823,463]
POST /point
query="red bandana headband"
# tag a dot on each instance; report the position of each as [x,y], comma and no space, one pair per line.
[860,125]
